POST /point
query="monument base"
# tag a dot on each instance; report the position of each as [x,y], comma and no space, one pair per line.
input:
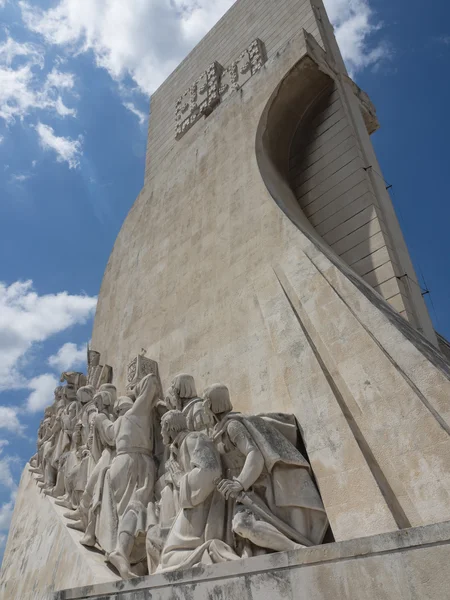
[42,554]
[402,565]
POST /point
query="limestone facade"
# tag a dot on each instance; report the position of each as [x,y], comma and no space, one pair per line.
[42,555]
[219,272]
[404,565]
[264,252]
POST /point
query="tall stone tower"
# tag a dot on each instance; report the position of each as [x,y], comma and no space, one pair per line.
[264,252]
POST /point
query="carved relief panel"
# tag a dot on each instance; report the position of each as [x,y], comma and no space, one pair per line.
[241,70]
[200,99]
[138,368]
[216,84]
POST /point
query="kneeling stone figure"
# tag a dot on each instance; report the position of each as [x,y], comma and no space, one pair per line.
[194,467]
[272,502]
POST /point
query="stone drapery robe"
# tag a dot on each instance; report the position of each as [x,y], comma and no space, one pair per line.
[282,481]
[195,535]
[129,482]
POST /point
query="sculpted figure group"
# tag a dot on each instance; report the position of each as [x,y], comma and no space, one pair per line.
[161,483]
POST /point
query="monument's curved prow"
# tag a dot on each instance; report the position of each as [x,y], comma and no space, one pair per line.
[264,252]
[223,270]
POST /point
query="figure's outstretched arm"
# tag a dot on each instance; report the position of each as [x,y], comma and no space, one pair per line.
[253,465]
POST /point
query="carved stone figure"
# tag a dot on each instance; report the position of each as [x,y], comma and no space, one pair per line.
[182,395]
[98,374]
[193,467]
[105,435]
[181,392]
[111,389]
[44,427]
[129,483]
[70,468]
[272,502]
[160,486]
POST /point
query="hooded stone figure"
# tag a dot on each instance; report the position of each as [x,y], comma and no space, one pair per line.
[272,502]
[110,408]
[192,470]
[181,393]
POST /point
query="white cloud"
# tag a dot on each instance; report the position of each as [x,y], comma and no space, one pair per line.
[59,80]
[10,49]
[20,177]
[42,394]
[143,39]
[6,513]
[68,357]
[2,139]
[146,39]
[355,22]
[63,110]
[142,117]
[8,482]
[21,87]
[67,150]
[6,476]
[9,420]
[26,318]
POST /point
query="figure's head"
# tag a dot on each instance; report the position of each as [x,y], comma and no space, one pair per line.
[59,393]
[85,394]
[172,423]
[217,400]
[102,401]
[124,403]
[199,419]
[112,391]
[181,390]
[148,386]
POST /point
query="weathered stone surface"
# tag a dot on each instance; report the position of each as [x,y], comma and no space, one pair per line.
[405,565]
[218,272]
[42,554]
[221,271]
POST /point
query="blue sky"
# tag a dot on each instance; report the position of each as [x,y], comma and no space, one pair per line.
[74,97]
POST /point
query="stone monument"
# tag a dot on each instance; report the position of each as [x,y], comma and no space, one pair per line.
[263,253]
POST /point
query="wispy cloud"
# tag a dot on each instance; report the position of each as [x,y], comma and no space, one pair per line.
[42,392]
[142,117]
[27,318]
[9,419]
[443,39]
[59,80]
[66,149]
[68,357]
[19,177]
[7,481]
[146,40]
[355,23]
[21,87]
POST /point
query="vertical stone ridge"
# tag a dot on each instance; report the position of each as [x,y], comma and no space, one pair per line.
[443,424]
[392,502]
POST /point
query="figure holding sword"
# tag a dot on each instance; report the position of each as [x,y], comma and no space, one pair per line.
[272,503]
